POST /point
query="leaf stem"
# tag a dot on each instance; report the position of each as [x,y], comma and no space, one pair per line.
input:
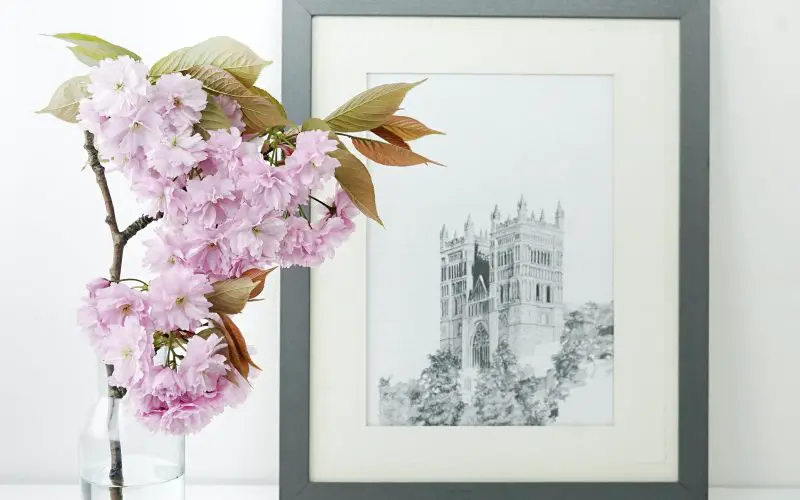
[137,280]
[329,207]
[300,207]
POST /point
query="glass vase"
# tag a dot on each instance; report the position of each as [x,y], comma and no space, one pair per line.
[120,459]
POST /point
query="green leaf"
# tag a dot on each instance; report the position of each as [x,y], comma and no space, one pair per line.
[90,49]
[213,117]
[389,154]
[259,112]
[369,109]
[223,52]
[356,181]
[316,124]
[263,93]
[66,99]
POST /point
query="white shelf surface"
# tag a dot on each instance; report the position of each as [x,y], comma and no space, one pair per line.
[207,492]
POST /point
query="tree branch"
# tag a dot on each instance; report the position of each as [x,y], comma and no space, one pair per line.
[118,238]
[137,225]
[111,216]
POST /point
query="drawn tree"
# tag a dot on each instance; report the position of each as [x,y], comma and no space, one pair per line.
[588,338]
[397,403]
[495,399]
[439,400]
[539,402]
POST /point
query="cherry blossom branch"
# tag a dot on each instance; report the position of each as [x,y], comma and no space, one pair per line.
[119,239]
[111,215]
[137,225]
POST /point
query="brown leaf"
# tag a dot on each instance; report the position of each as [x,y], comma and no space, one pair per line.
[390,137]
[356,181]
[231,295]
[389,154]
[370,108]
[238,355]
[231,351]
[258,276]
[407,128]
[238,338]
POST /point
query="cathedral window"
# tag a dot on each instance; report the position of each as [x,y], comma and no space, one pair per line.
[480,348]
[538,293]
[548,294]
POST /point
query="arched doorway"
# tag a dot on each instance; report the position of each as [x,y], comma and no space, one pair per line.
[480,347]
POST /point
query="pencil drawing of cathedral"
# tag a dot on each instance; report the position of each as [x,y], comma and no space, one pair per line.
[502,284]
[491,297]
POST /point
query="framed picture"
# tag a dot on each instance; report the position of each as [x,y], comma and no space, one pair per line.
[532,321]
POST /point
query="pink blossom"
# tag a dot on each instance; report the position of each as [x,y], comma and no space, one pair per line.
[164,383]
[166,249]
[118,86]
[149,410]
[213,199]
[96,284]
[89,117]
[331,233]
[258,234]
[178,299]
[202,365]
[180,99]
[344,207]
[186,414]
[177,153]
[208,251]
[130,133]
[232,110]
[224,147]
[126,348]
[91,323]
[313,147]
[118,302]
[266,185]
[237,390]
[308,176]
[134,166]
[300,245]
[161,194]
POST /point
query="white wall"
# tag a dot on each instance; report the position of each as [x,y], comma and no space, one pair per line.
[53,239]
[755,243]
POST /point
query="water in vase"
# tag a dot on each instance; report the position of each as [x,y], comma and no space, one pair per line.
[144,479]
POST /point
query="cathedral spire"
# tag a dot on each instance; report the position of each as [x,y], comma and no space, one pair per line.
[522,208]
[559,215]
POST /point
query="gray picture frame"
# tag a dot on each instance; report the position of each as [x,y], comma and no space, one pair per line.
[692,483]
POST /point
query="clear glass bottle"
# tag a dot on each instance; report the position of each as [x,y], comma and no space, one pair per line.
[120,459]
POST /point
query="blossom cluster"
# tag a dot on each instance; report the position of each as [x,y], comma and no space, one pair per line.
[227,207]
